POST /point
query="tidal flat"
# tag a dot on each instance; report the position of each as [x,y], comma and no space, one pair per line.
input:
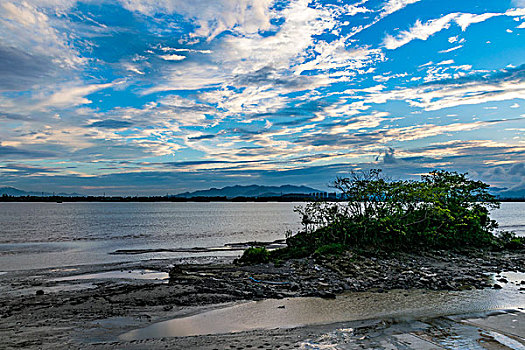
[382,302]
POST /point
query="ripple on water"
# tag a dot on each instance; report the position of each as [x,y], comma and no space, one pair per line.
[117,274]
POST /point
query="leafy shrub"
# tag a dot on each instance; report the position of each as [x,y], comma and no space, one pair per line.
[290,252]
[442,210]
[330,249]
[508,240]
[515,244]
[255,255]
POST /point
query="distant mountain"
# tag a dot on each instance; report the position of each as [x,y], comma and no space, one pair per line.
[11,191]
[249,191]
[518,193]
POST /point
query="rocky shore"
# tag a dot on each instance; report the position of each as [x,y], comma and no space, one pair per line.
[48,316]
[326,277]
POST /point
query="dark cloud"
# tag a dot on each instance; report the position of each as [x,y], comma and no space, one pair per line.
[14,116]
[356,139]
[202,162]
[110,124]
[389,156]
[16,170]
[271,76]
[293,122]
[10,152]
[517,169]
[20,70]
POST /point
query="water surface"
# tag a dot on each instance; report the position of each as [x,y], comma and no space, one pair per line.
[37,235]
[287,313]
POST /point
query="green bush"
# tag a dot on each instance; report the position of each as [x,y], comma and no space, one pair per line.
[442,210]
[290,252]
[255,255]
[516,243]
[330,249]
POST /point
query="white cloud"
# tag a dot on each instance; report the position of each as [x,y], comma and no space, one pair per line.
[451,49]
[392,6]
[517,12]
[133,68]
[432,98]
[442,63]
[171,49]
[211,17]
[464,20]
[420,31]
[172,57]
[70,96]
[189,76]
[27,28]
[359,122]
[423,31]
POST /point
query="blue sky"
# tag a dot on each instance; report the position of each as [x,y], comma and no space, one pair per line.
[164,96]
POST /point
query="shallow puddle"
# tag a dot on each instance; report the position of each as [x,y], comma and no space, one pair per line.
[118,274]
[293,312]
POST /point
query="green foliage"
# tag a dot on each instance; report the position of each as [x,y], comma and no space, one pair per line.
[330,249]
[291,252]
[442,210]
[255,255]
[515,244]
[508,240]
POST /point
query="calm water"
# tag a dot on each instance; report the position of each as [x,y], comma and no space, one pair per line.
[36,235]
[287,313]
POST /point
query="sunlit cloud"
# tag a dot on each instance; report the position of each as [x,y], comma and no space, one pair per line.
[143,94]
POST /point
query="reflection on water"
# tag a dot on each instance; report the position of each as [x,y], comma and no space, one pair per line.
[294,312]
[121,274]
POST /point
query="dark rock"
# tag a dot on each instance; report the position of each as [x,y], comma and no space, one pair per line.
[39,292]
[497,286]
[175,271]
[294,287]
[503,280]
[326,295]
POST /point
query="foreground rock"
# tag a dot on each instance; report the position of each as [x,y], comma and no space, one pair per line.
[326,277]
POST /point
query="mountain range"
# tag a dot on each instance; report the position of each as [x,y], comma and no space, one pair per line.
[11,191]
[249,191]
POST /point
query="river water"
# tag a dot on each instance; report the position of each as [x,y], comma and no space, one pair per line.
[38,235]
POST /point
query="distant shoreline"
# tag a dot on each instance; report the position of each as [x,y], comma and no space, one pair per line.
[284,198]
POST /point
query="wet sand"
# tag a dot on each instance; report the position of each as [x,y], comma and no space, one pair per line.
[118,305]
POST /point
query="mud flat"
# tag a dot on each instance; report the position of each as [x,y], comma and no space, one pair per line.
[438,300]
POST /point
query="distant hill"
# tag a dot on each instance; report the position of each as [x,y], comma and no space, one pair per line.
[11,191]
[249,191]
[518,192]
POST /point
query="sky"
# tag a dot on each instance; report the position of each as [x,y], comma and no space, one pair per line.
[164,96]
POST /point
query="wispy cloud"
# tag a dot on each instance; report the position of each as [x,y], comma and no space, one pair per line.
[169,92]
[423,31]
